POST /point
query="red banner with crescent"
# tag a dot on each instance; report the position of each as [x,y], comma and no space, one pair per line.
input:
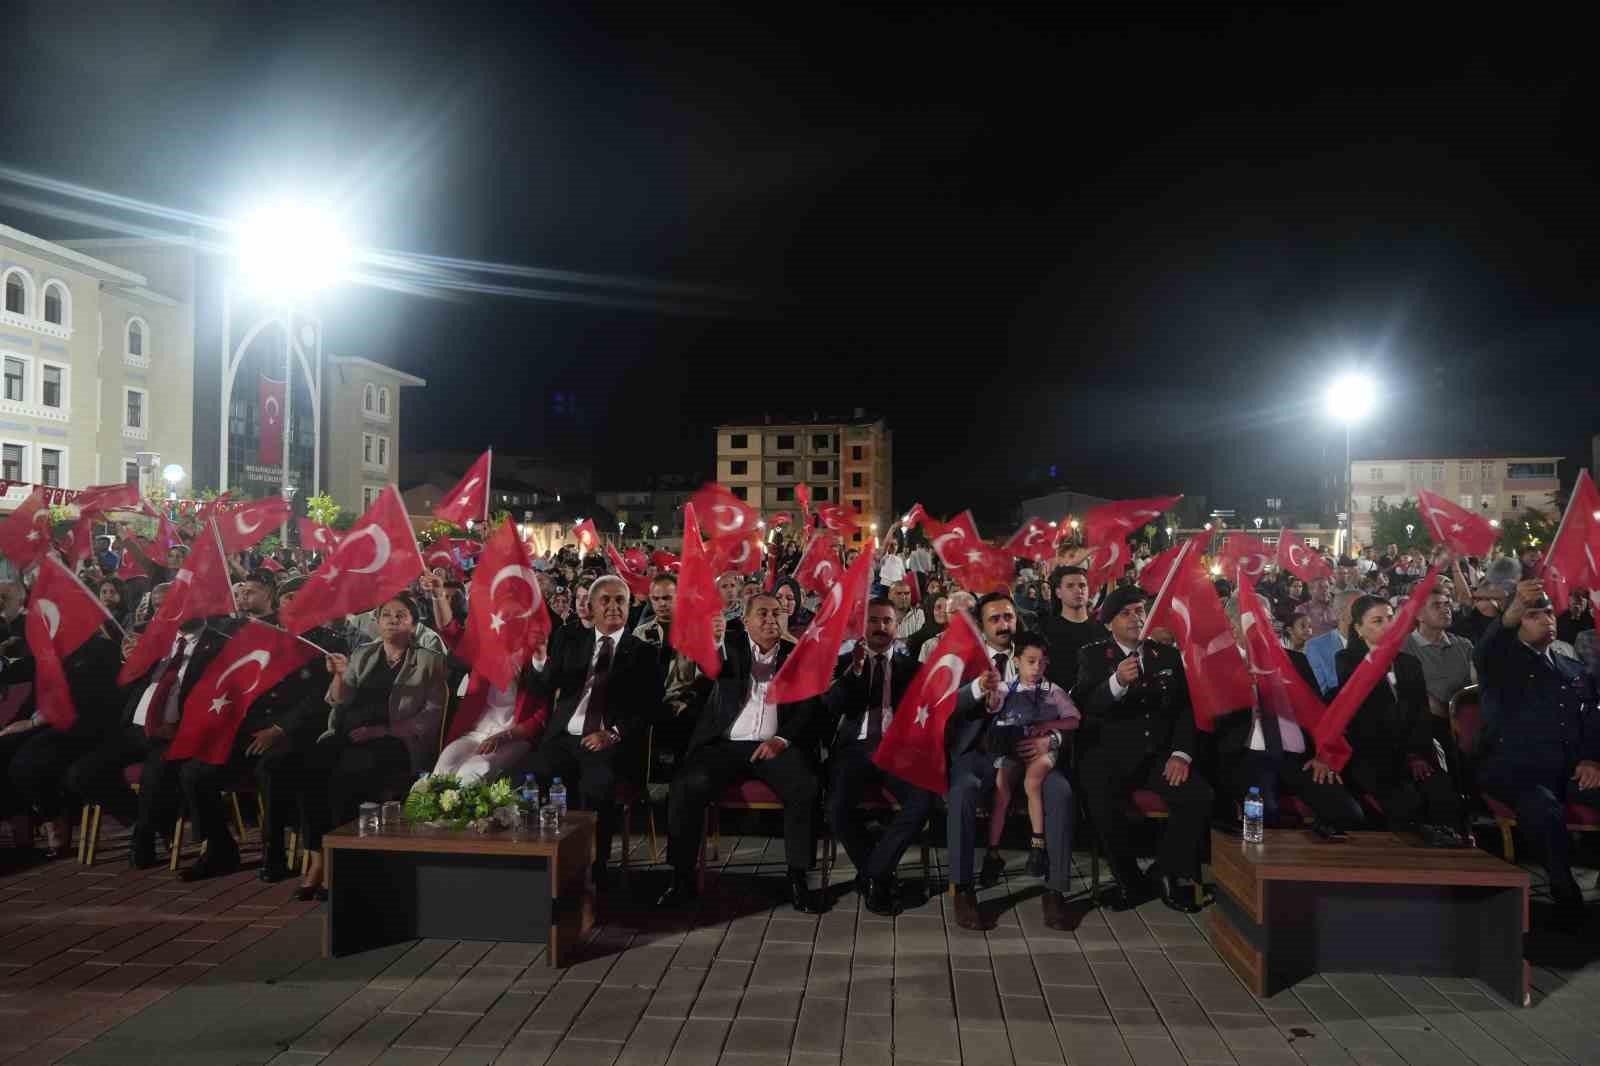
[270,397]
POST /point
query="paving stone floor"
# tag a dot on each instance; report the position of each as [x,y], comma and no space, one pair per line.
[102,965]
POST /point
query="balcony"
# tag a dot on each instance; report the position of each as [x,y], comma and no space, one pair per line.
[35,325]
[34,410]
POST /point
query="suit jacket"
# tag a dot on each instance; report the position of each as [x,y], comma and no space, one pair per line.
[1322,652]
[416,703]
[1391,724]
[847,701]
[1232,730]
[731,691]
[1153,718]
[91,673]
[1539,715]
[212,639]
[296,704]
[633,694]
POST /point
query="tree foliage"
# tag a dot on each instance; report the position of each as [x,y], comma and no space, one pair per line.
[1389,522]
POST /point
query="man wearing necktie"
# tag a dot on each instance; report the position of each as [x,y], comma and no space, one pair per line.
[867,687]
[605,690]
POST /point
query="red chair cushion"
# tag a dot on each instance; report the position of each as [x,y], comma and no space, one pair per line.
[1147,803]
[746,792]
[1500,811]
[132,773]
[1582,814]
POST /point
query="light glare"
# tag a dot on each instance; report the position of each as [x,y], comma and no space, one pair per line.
[293,249]
[1351,397]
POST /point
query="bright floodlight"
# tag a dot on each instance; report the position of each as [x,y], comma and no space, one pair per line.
[173,473]
[1351,397]
[293,249]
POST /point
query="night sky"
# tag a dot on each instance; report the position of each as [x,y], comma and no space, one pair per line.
[1133,251]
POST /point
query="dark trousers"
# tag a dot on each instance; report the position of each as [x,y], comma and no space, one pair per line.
[12,801]
[590,778]
[40,765]
[1108,785]
[338,776]
[710,769]
[1403,798]
[97,777]
[855,775]
[1331,803]
[202,784]
[1540,801]
[278,783]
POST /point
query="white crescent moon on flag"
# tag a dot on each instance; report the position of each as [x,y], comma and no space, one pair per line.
[1181,609]
[733,525]
[51,615]
[238,522]
[938,544]
[468,487]
[271,407]
[951,664]
[1436,521]
[380,549]
[523,574]
[1034,534]
[261,657]
[1298,560]
[1254,564]
[823,571]
[742,556]
[829,608]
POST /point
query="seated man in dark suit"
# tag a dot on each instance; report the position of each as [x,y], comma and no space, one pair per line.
[1395,759]
[738,734]
[1138,732]
[1541,737]
[866,689]
[604,689]
[1256,749]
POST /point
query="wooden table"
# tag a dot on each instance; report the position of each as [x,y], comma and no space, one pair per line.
[1296,905]
[414,881]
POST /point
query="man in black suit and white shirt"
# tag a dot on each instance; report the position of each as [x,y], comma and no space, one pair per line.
[604,689]
[739,733]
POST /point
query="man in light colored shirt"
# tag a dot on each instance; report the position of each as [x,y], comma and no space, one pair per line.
[908,619]
[1321,650]
[1446,658]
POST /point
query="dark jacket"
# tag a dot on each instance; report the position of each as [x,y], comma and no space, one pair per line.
[91,673]
[1153,718]
[633,692]
[1065,640]
[1232,730]
[732,690]
[213,637]
[847,700]
[297,704]
[1539,716]
[1392,724]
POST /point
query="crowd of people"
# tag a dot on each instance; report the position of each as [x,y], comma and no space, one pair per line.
[1078,700]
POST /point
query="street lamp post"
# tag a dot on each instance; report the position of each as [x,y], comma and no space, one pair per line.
[1258,523]
[1350,398]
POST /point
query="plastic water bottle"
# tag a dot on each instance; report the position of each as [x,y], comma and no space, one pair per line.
[558,799]
[529,794]
[1255,817]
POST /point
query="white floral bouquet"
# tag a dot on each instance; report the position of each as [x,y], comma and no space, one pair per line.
[442,800]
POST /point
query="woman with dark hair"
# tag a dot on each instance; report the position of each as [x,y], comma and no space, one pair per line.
[795,617]
[1395,759]
[113,593]
[387,699]
[938,618]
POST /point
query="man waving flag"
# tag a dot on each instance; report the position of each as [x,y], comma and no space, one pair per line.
[913,746]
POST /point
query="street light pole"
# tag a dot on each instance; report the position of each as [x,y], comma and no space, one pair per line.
[288,406]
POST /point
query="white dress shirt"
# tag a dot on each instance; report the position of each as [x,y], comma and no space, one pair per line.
[758,720]
[1119,690]
[1293,739]
[182,654]
[575,725]
[892,569]
[1008,676]
[883,698]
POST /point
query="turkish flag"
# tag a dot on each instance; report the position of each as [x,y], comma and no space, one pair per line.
[1295,556]
[1242,553]
[377,558]
[1374,667]
[1155,572]
[469,500]
[782,518]
[986,570]
[740,553]
[201,589]
[698,603]
[1456,527]
[1035,540]
[317,537]
[25,534]
[256,658]
[79,542]
[507,623]
[722,514]
[914,517]
[772,572]
[912,748]
[664,560]
[637,560]
[1280,690]
[819,566]
[1188,606]
[1112,522]
[442,554]
[802,496]
[245,526]
[837,518]
[269,563]
[101,498]
[1573,561]
[1107,563]
[953,539]
[638,583]
[167,536]
[62,614]
[808,671]
[269,394]
[129,567]
[587,536]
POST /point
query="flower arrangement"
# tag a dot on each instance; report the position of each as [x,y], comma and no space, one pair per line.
[442,800]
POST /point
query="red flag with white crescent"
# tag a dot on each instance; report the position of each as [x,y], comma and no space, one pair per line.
[914,517]
[199,590]
[62,614]
[507,623]
[1187,604]
[1107,563]
[441,554]
[721,514]
[377,558]
[469,500]
[802,496]
[819,566]
[837,517]
[664,560]
[587,536]
[25,534]
[128,567]
[1035,540]
[1155,572]
[79,542]
[1573,561]
[637,581]
[912,748]
[254,659]
[740,554]
[317,537]
[1242,553]
[246,526]
[698,603]
[101,498]
[808,671]
[1114,521]
[167,536]
[270,398]
[1280,690]
[1296,556]
[1456,527]
[953,539]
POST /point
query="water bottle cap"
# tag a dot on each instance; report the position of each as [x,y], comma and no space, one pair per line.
[1254,791]
[557,781]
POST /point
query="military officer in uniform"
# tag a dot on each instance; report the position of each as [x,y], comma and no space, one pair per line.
[1138,732]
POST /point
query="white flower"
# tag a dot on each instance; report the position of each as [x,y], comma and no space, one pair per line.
[422,784]
[449,800]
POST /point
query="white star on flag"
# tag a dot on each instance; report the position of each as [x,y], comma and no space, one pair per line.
[922,715]
[218,704]
[496,620]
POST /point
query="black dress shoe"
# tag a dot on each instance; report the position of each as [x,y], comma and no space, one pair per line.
[882,897]
[993,868]
[1133,888]
[800,895]
[307,893]
[1055,910]
[682,890]
[206,866]
[1178,894]
[968,913]
[142,852]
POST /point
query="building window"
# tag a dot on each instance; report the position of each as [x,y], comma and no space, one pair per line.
[1488,501]
[1516,501]
[786,442]
[784,494]
[856,506]
[855,480]
[366,448]
[369,495]
[130,471]
[820,468]
[136,332]
[52,377]
[1437,472]
[739,440]
[50,467]
[1375,474]
[856,536]
[1524,471]
[134,415]
[820,492]
[739,467]
[383,452]
[369,399]
[740,492]
[17,292]
[383,400]
[1465,499]
[16,380]
[785,469]
[1486,472]
[55,304]
[820,442]
[13,463]
[856,452]
[1467,470]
